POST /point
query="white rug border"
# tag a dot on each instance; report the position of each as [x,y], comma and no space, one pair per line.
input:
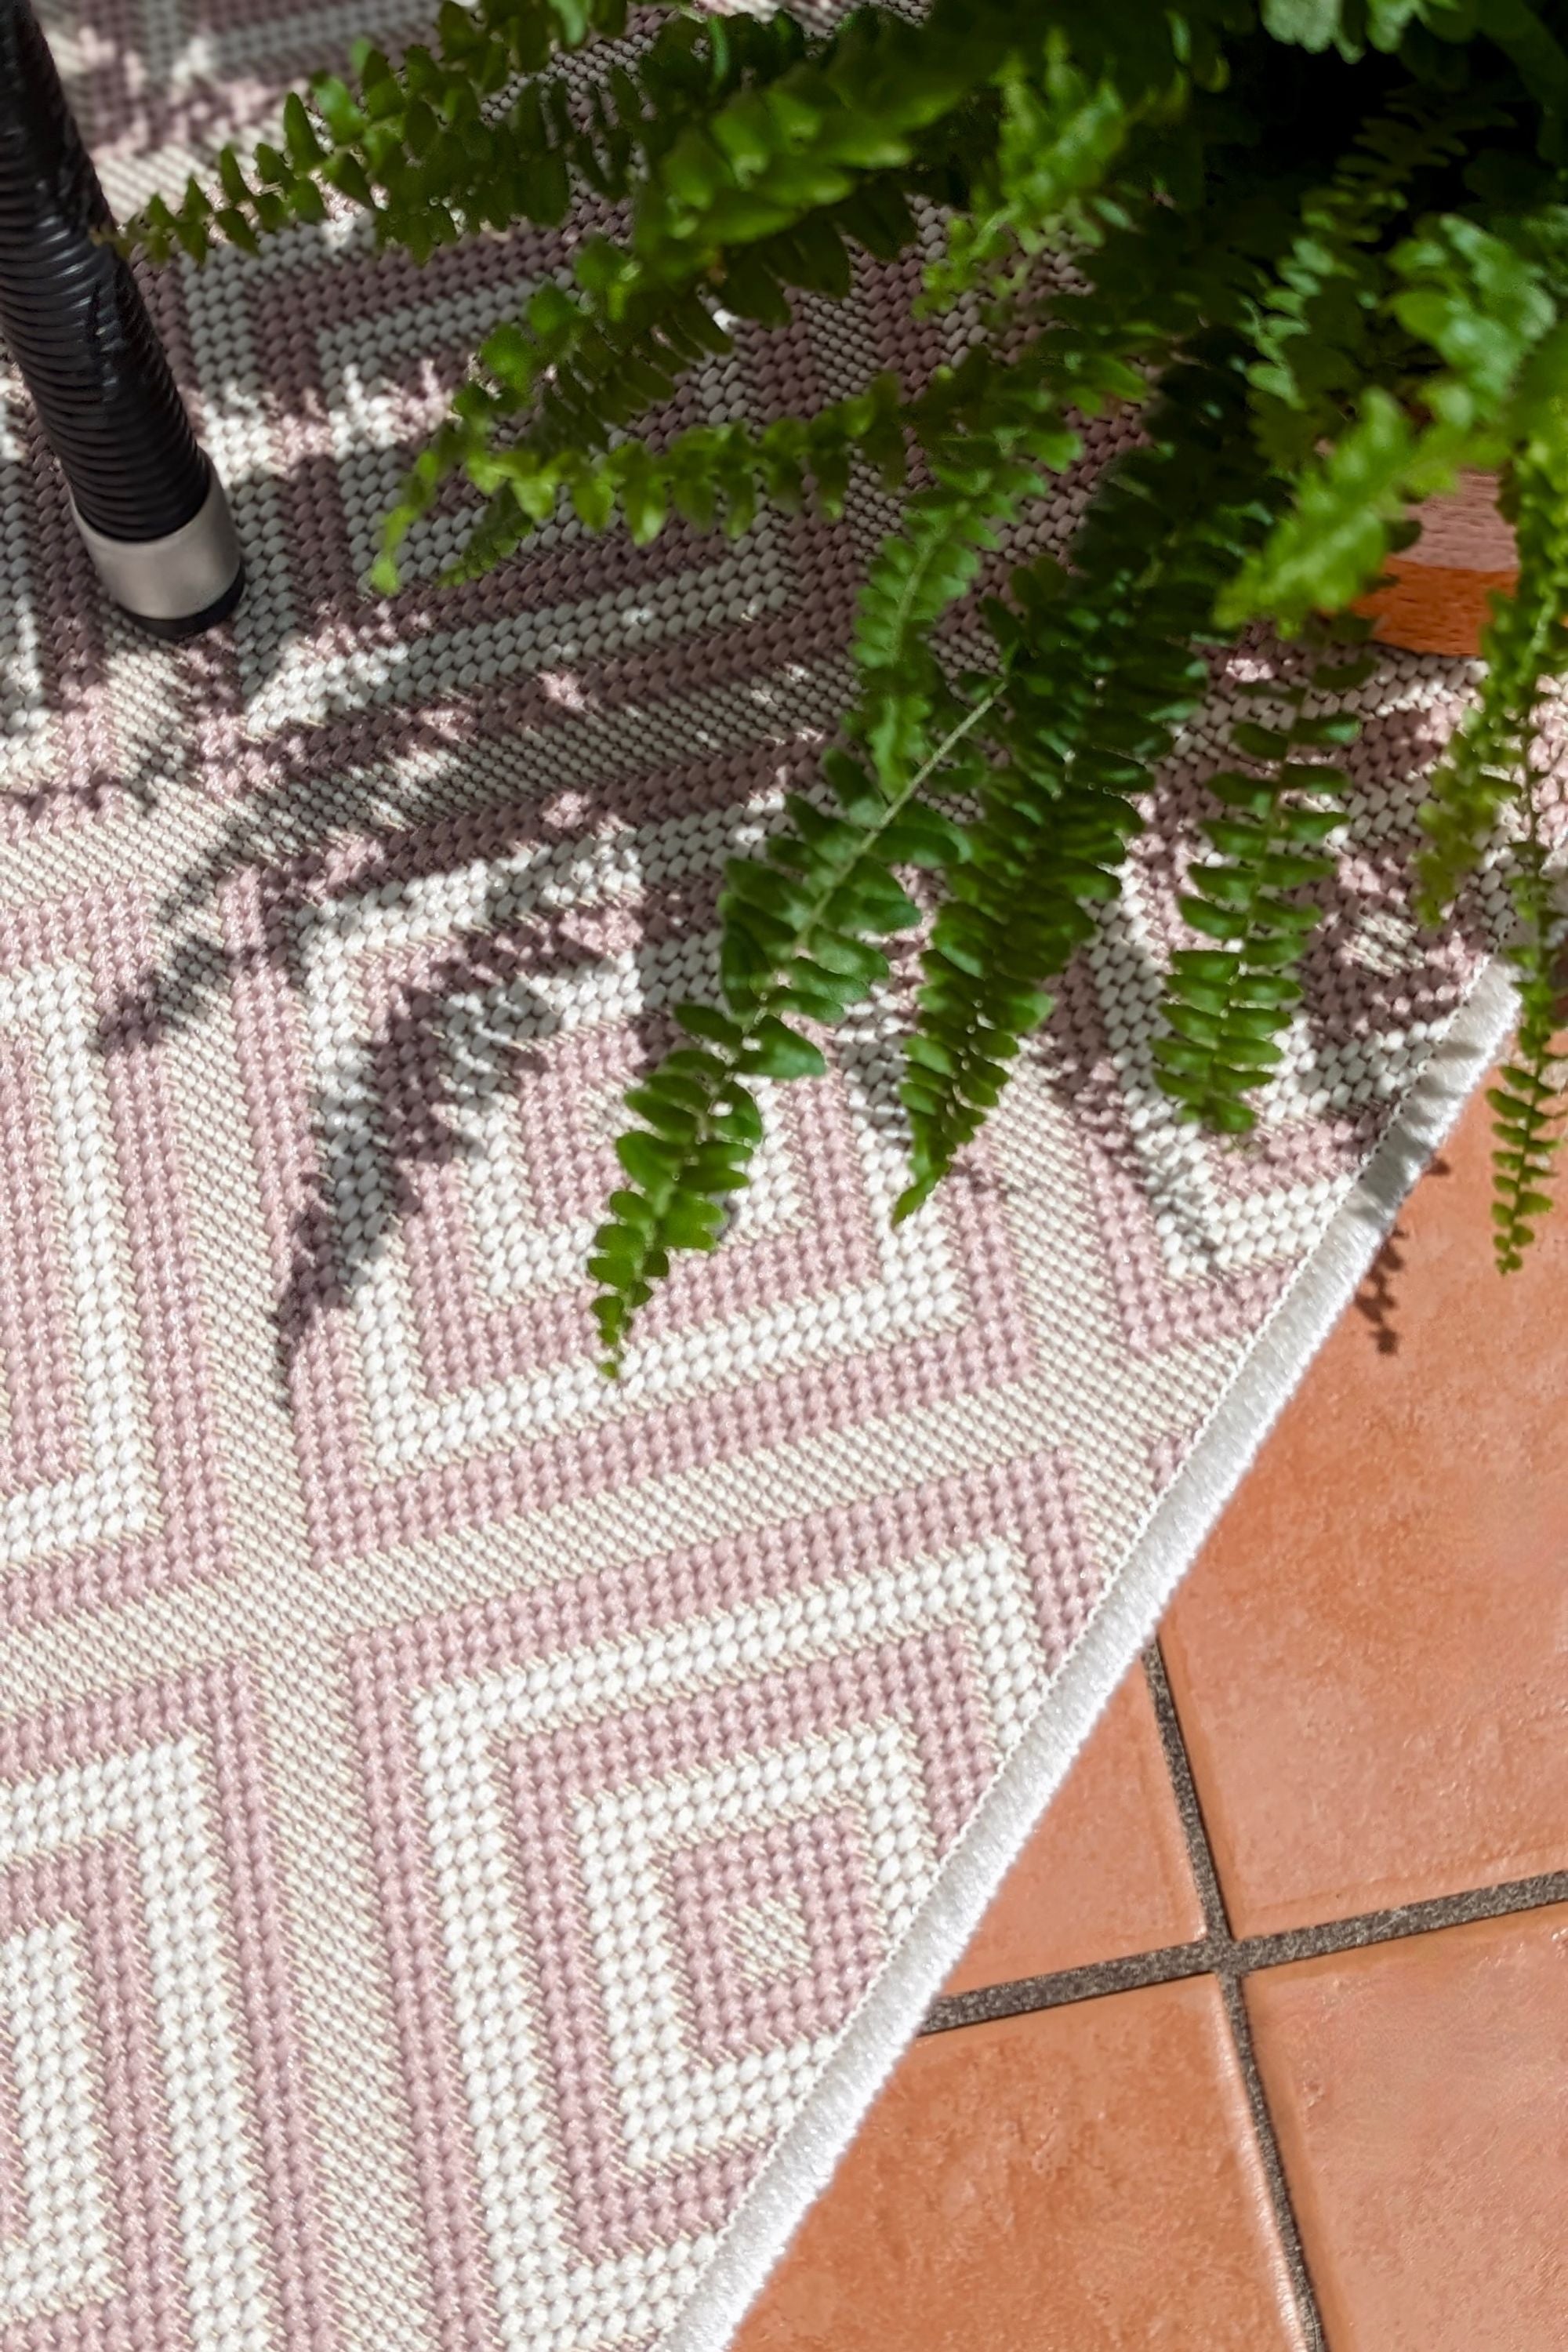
[886,2019]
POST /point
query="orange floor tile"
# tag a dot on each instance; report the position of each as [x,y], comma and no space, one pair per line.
[1420,2096]
[1331,2113]
[1080,2177]
[1370,1659]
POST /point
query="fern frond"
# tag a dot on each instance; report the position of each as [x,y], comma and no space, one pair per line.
[1528,1104]
[1059,135]
[795,940]
[1519,29]
[715,476]
[1333,272]
[798,929]
[1320,320]
[1226,1003]
[1485,769]
[1478,298]
[771,192]
[767,159]
[1097,677]
[427,148]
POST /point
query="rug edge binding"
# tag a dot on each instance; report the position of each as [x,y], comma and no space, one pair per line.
[882,2027]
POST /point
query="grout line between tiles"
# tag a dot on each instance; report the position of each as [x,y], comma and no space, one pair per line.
[1302,2291]
[1229,1958]
[1178,1764]
[1223,1955]
[1216,1919]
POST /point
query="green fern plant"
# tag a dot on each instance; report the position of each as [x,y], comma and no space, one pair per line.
[1321,247]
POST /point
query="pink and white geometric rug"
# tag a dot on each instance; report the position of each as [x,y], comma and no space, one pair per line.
[473,1838]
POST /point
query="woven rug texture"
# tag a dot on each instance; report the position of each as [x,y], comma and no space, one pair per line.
[454,1811]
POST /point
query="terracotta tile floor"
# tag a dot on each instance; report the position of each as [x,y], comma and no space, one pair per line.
[1264,2044]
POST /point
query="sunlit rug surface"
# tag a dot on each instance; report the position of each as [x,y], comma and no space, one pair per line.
[472,1837]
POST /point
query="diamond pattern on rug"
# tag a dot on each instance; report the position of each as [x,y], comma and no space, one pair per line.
[645,1840]
[361,350]
[149,2141]
[452,1809]
[108,1474]
[777,1931]
[435,1043]
[63,746]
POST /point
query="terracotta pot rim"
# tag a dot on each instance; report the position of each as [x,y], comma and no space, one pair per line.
[1439,592]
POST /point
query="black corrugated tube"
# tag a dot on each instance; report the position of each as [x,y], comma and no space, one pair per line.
[76,326]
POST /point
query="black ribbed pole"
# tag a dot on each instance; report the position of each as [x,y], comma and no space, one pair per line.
[147,502]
